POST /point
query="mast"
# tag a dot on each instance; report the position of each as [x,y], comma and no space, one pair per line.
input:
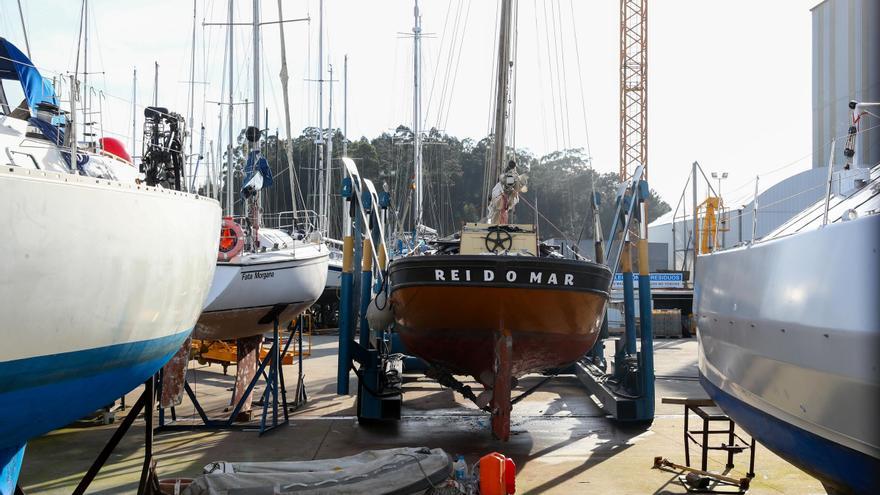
[496,164]
[417,114]
[155,84]
[27,43]
[256,24]
[328,161]
[345,106]
[192,92]
[321,163]
[230,210]
[284,78]
[85,97]
[134,83]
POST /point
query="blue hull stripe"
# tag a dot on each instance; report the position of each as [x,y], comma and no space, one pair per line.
[48,392]
[43,370]
[835,465]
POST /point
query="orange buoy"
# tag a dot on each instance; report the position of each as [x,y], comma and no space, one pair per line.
[231,240]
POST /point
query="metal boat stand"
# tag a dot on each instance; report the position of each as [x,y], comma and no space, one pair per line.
[627,392]
[379,371]
[274,397]
[148,483]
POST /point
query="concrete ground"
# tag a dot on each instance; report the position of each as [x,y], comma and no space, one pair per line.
[561,441]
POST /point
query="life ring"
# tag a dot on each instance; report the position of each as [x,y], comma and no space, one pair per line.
[231,240]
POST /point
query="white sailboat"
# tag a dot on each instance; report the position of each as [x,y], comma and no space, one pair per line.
[103,277]
[270,275]
[789,332]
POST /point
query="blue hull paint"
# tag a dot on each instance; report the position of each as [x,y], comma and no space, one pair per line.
[10,460]
[42,393]
[838,467]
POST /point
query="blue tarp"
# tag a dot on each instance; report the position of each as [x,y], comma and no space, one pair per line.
[16,66]
[256,164]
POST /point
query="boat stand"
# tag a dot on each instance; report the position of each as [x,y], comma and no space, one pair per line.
[148,483]
[379,372]
[626,393]
[274,397]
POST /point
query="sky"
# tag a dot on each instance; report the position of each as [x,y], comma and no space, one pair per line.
[728,82]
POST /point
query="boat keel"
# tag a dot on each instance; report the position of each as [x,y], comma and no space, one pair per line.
[174,376]
[248,349]
[500,403]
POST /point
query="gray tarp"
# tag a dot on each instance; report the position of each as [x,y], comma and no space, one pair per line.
[393,471]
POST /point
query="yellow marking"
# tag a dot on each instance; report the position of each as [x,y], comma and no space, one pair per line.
[367,264]
[644,268]
[348,254]
[382,261]
[626,259]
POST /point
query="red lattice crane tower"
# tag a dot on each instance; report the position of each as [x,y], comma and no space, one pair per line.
[633,87]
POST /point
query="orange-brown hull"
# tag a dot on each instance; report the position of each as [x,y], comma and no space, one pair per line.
[451,309]
[456,327]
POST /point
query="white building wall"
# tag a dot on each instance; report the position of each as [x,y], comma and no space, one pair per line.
[846,66]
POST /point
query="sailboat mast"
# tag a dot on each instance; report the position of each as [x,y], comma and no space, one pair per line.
[284,78]
[85,94]
[230,210]
[417,114]
[134,85]
[499,149]
[345,106]
[328,161]
[256,23]
[27,43]
[192,91]
[320,162]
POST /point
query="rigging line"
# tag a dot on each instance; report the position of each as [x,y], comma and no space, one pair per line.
[583,108]
[560,34]
[449,58]
[538,213]
[457,65]
[560,81]
[540,79]
[439,54]
[550,69]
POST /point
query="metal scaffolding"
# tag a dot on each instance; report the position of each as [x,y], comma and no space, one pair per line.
[633,87]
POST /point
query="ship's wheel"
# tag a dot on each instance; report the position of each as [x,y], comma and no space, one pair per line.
[498,240]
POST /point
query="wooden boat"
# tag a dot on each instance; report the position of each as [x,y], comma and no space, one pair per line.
[497,316]
[493,302]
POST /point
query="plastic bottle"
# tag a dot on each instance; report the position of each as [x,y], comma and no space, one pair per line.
[459,469]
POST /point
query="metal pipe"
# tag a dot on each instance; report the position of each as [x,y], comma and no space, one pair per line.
[646,355]
[755,211]
[366,288]
[629,315]
[828,183]
[696,221]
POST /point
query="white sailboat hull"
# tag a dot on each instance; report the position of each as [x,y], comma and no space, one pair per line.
[250,292]
[101,282]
